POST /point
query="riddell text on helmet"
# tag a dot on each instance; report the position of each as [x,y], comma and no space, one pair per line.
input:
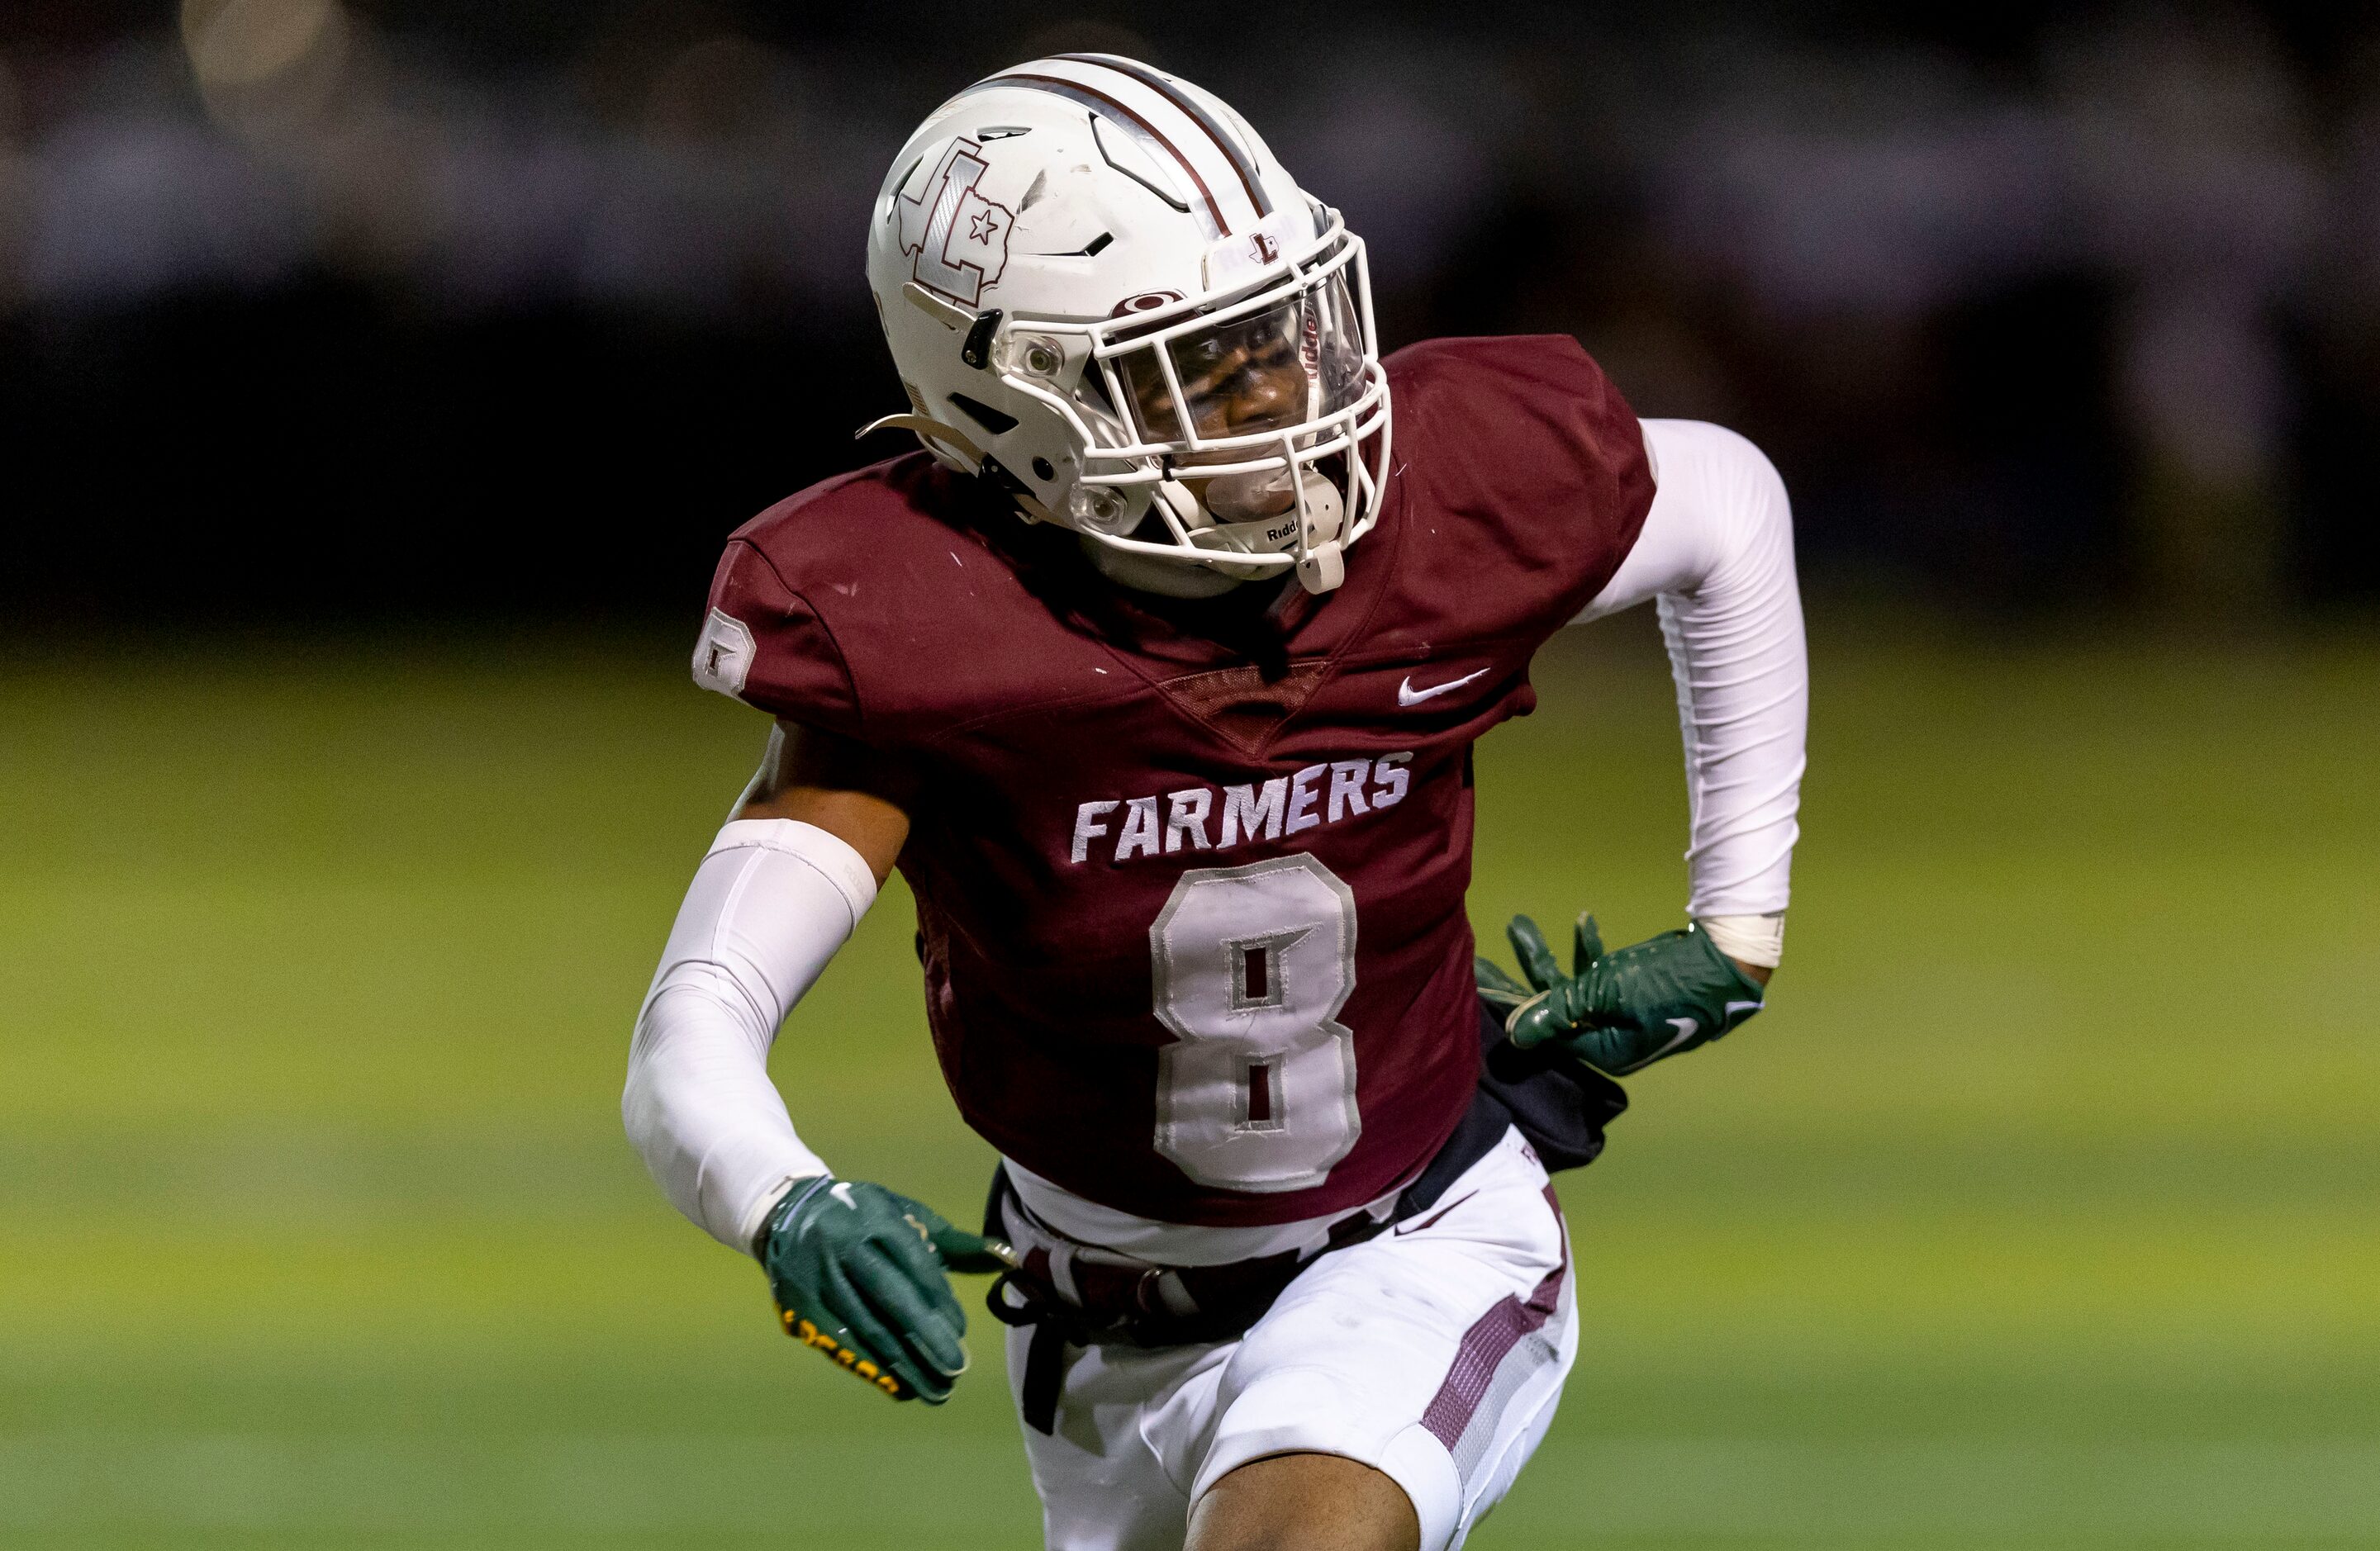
[1215,819]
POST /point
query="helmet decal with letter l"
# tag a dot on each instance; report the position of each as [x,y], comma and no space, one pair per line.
[959,238]
[1174,339]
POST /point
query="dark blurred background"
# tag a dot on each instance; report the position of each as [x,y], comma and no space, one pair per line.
[316,310]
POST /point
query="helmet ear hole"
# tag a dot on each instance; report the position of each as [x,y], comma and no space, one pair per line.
[999,422]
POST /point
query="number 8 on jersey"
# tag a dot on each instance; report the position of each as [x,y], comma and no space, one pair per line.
[1250,966]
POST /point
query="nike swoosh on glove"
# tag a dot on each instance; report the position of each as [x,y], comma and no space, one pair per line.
[861,1274]
[1622,1011]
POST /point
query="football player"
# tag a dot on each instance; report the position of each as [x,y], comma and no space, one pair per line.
[1157,673]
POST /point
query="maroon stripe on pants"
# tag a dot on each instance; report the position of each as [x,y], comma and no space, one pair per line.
[1485,1346]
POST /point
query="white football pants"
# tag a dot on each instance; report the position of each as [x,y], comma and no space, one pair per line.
[1433,1353]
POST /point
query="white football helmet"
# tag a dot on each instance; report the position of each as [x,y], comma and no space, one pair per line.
[1104,294]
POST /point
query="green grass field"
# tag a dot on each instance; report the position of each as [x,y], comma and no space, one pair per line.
[2039,1211]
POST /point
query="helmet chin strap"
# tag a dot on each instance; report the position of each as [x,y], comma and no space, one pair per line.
[1319,568]
[1172,578]
[1309,528]
[1142,572]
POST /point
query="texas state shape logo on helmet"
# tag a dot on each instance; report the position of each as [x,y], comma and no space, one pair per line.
[958,238]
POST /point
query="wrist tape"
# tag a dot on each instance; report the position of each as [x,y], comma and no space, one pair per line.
[1749,940]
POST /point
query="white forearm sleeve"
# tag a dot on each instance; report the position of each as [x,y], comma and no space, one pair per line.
[1717,551]
[768,906]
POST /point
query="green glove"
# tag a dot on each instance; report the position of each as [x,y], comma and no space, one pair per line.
[861,1274]
[1622,1011]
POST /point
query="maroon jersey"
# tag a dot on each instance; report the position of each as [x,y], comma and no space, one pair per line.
[1190,878]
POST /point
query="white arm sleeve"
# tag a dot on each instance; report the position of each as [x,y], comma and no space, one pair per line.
[770,903]
[1718,552]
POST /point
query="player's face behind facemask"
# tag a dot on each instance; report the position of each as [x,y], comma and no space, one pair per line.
[1273,370]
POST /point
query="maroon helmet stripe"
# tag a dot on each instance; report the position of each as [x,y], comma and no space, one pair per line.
[1078,92]
[1242,163]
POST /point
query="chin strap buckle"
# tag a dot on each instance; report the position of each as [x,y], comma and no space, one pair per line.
[1322,567]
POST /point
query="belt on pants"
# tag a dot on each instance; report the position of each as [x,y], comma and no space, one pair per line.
[1075,1295]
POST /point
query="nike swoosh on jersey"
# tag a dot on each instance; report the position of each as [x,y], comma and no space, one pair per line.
[1408,696]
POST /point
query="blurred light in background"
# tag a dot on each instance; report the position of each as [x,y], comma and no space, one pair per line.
[242,46]
[2092,308]
[1878,178]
